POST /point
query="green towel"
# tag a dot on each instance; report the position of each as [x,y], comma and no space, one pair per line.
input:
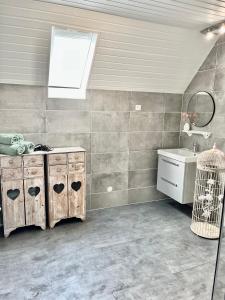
[10,138]
[16,149]
[29,146]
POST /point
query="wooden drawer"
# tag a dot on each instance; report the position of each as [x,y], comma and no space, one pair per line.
[76,168]
[76,157]
[33,160]
[33,172]
[12,174]
[58,170]
[11,162]
[57,159]
[171,169]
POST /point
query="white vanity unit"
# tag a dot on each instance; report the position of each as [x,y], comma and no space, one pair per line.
[176,174]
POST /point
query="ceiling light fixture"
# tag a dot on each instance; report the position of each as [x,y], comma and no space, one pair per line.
[212,31]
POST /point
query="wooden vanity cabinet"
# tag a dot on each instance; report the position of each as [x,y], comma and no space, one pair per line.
[66,184]
[22,191]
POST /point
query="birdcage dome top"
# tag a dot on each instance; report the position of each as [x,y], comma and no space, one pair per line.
[211,160]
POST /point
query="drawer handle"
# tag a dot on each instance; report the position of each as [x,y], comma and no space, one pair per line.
[170,182]
[57,158]
[33,160]
[33,172]
[10,161]
[58,170]
[170,162]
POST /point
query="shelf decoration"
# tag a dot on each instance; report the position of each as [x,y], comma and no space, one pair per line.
[208,195]
[190,132]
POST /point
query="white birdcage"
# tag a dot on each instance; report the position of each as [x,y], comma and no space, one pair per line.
[208,196]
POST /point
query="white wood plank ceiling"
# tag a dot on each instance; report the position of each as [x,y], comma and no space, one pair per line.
[130,55]
[185,13]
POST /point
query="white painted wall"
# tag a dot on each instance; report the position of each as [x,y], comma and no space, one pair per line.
[131,54]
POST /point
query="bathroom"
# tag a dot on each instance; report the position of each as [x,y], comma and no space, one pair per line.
[148,62]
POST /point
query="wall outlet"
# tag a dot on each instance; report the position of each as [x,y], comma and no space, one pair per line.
[137,107]
[109,189]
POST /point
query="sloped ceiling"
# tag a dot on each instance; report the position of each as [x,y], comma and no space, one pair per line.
[195,14]
[131,54]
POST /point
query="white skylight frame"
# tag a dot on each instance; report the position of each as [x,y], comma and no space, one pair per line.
[71,89]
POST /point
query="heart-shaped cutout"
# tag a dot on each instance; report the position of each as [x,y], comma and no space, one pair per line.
[58,188]
[34,191]
[76,185]
[13,194]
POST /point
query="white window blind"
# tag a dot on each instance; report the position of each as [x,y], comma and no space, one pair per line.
[71,57]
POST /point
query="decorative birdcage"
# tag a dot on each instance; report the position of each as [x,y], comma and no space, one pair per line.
[208,195]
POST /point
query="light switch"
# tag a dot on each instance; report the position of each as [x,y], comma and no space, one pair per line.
[137,107]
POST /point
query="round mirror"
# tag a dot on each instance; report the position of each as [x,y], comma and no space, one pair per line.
[201,109]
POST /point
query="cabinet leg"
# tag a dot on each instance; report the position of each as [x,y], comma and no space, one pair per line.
[83,218]
[8,231]
[52,223]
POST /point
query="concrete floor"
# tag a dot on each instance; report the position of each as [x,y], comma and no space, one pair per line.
[144,251]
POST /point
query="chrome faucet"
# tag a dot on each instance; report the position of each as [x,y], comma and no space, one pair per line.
[195,147]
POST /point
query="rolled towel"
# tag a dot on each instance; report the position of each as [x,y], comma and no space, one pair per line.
[29,146]
[16,149]
[10,138]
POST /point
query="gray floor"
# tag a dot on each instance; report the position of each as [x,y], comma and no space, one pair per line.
[136,252]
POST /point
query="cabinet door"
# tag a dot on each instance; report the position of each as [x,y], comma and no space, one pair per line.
[76,191]
[34,193]
[12,205]
[58,202]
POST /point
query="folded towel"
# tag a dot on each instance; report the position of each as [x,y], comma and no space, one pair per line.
[10,138]
[16,149]
[29,146]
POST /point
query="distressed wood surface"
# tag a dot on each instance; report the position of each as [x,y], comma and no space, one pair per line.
[13,209]
[57,201]
[76,198]
[34,192]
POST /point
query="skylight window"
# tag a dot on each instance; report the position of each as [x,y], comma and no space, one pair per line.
[71,57]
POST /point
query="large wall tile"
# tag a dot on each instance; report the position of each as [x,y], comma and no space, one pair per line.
[69,140]
[144,195]
[173,102]
[116,180]
[68,104]
[220,55]
[22,97]
[203,81]
[109,162]
[109,142]
[144,159]
[110,121]
[145,140]
[68,121]
[36,138]
[172,122]
[210,61]
[153,102]
[219,84]
[102,100]
[170,140]
[142,178]
[22,121]
[112,199]
[143,121]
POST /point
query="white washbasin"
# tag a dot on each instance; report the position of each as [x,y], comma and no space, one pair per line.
[182,154]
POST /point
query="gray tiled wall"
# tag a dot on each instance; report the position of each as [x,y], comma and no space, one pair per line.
[121,142]
[211,78]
